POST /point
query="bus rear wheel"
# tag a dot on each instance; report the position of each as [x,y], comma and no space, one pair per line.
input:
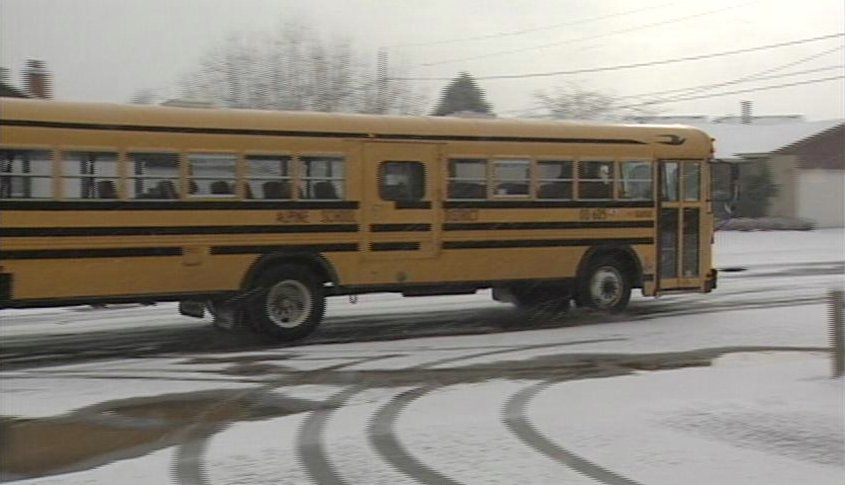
[606,286]
[290,303]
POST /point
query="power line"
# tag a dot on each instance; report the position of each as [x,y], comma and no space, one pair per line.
[758,76]
[529,31]
[670,100]
[753,90]
[636,65]
[704,87]
[581,39]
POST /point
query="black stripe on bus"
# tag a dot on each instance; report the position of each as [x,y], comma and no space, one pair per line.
[88,253]
[109,205]
[308,248]
[543,243]
[174,230]
[404,227]
[497,226]
[546,204]
[395,246]
[407,204]
[312,134]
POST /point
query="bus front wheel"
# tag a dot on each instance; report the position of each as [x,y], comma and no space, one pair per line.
[606,286]
[290,303]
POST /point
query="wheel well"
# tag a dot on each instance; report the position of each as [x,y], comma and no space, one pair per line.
[623,254]
[320,267]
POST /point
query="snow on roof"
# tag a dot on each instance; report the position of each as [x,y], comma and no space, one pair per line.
[732,141]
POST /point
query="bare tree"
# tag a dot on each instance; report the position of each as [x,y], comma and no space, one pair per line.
[574,102]
[294,69]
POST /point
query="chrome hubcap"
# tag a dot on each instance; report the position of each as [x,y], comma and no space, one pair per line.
[288,303]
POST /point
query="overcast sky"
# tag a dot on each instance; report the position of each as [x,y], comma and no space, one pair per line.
[107,50]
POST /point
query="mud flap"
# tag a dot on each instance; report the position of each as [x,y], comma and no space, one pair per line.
[192,308]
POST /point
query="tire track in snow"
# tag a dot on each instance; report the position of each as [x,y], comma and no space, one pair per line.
[516,421]
[312,453]
[189,466]
[384,440]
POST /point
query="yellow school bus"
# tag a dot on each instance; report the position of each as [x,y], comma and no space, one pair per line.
[259,215]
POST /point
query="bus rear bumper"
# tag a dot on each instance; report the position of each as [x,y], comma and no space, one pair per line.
[710,282]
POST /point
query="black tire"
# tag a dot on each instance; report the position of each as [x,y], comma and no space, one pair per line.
[605,286]
[541,299]
[289,304]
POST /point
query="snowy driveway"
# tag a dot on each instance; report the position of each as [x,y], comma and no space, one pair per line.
[699,389]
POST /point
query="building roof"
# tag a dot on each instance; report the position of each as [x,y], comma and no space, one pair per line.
[738,141]
[825,150]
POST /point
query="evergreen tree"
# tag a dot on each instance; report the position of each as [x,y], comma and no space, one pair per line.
[462,95]
[756,190]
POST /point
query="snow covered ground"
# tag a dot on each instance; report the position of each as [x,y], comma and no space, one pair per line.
[726,395]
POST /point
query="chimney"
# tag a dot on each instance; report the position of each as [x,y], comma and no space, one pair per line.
[37,79]
[746,112]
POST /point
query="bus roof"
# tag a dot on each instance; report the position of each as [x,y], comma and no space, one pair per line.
[48,113]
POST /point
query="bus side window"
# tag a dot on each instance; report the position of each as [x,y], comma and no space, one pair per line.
[555,179]
[211,174]
[636,181]
[269,176]
[595,180]
[467,178]
[323,177]
[511,177]
[90,175]
[155,175]
[26,174]
[401,181]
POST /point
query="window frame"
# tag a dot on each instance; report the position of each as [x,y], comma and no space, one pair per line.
[470,158]
[381,178]
[190,178]
[55,186]
[63,175]
[246,176]
[620,179]
[540,181]
[494,182]
[581,180]
[132,177]
[303,179]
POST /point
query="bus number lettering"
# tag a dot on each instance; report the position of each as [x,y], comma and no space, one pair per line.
[593,214]
[338,216]
[461,215]
[292,216]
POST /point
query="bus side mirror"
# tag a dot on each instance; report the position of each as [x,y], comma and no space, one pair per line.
[724,182]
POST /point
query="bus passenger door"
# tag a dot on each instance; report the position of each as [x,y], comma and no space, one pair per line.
[681,237]
[399,207]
